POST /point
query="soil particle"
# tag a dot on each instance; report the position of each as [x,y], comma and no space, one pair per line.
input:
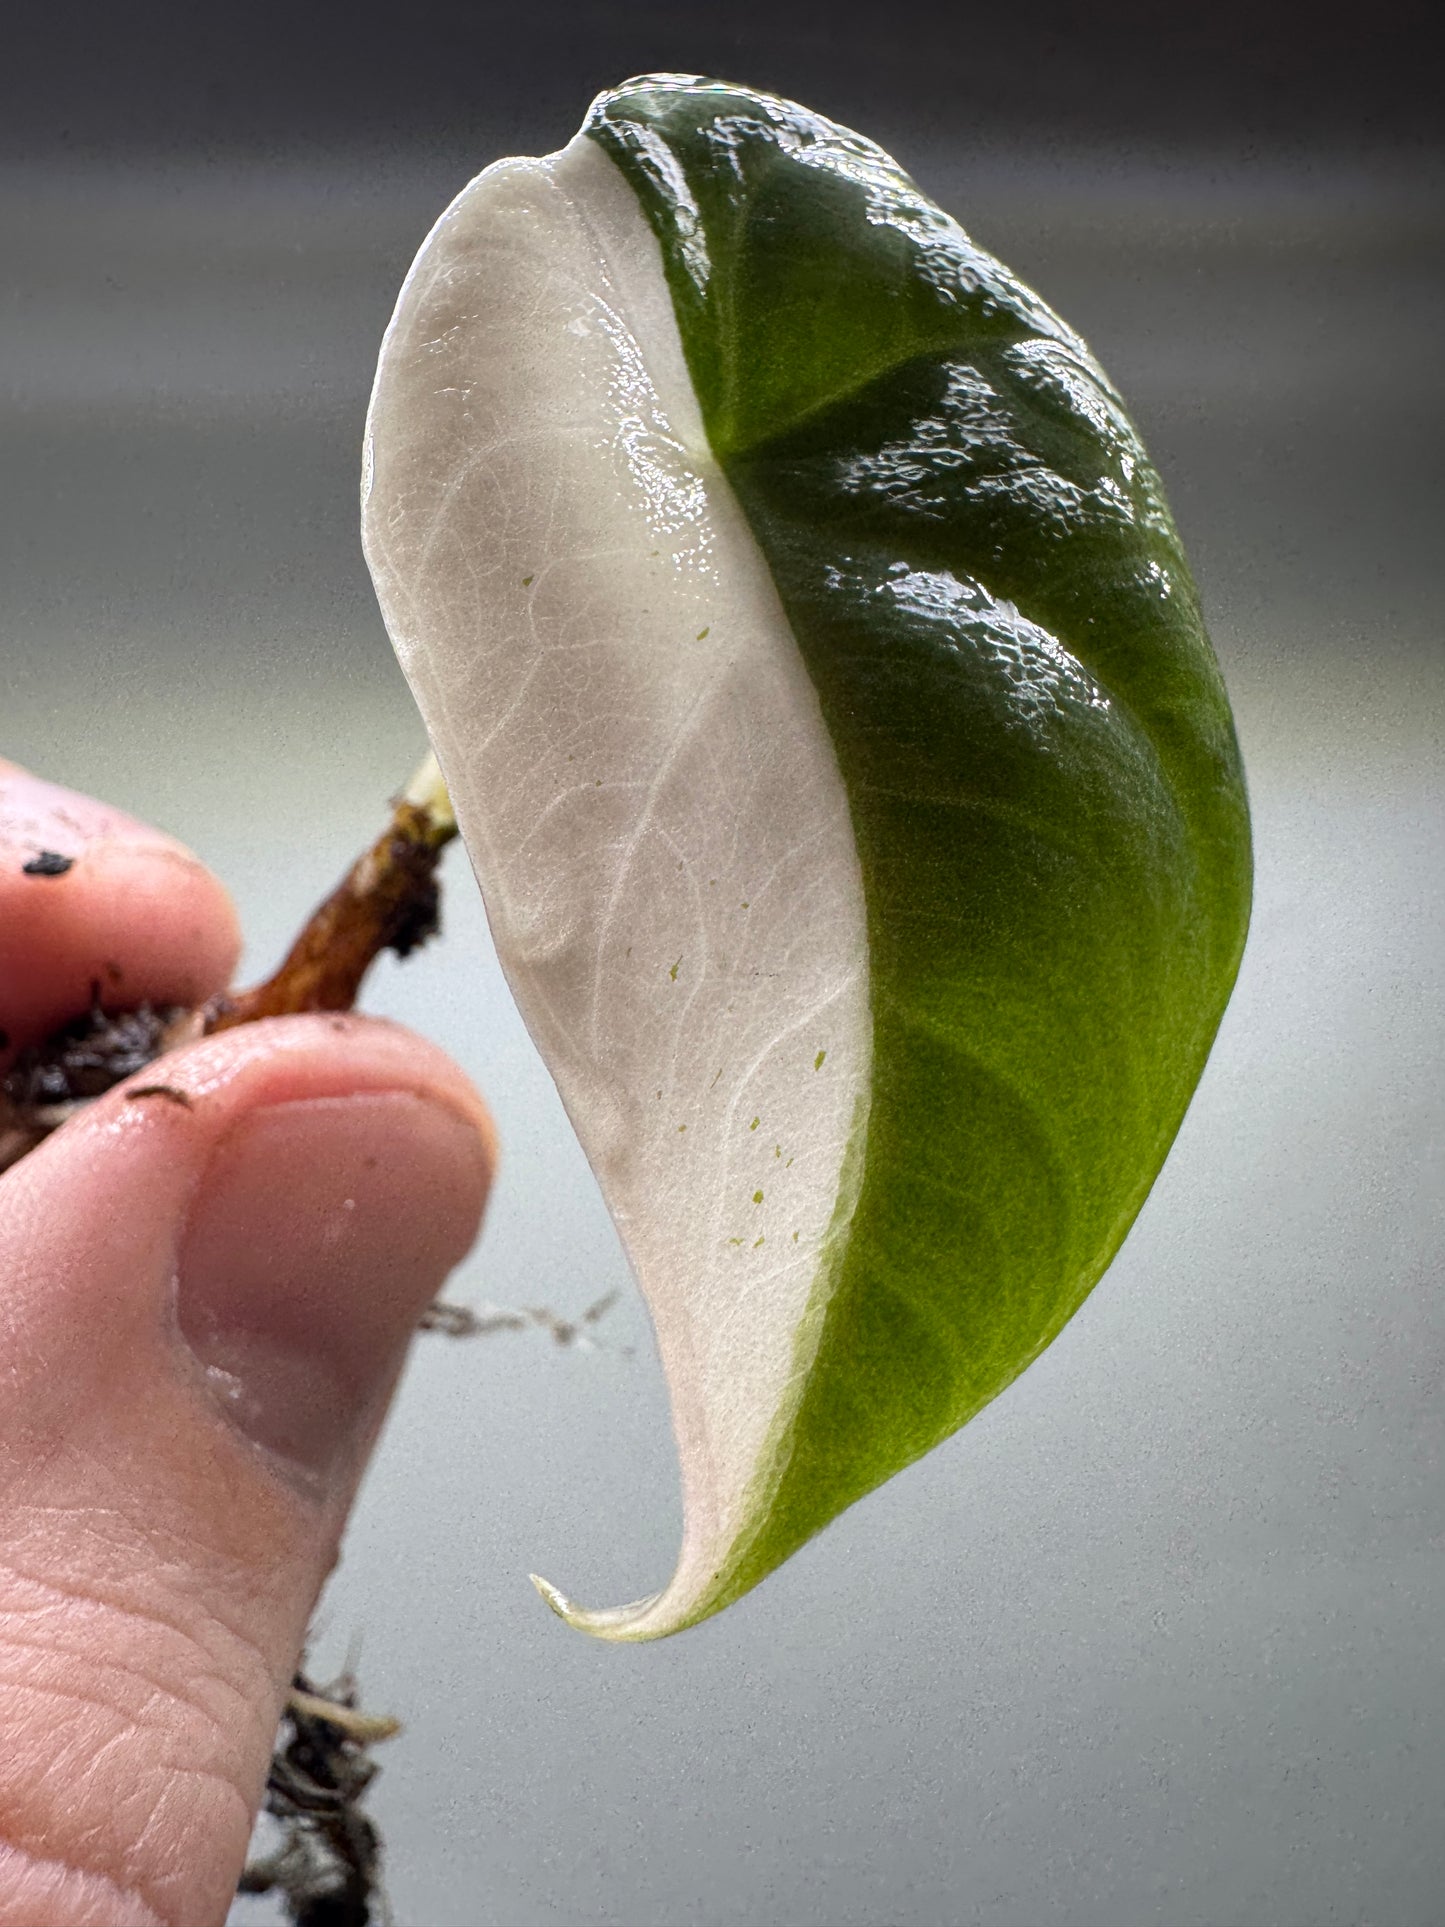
[87,1057]
[170,1092]
[49,863]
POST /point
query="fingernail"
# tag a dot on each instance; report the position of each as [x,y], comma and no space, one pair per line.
[319,1233]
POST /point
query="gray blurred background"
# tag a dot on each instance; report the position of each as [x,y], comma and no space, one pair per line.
[1156,1640]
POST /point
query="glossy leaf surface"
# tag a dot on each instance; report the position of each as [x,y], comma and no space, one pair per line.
[996,830]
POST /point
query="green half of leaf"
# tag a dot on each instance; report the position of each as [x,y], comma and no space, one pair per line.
[978,564]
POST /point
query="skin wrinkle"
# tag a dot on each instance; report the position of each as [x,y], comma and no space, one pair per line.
[223,1719]
[184,1575]
[192,1682]
[130,1546]
[29,1881]
[143,1617]
[171,1823]
[203,1688]
[228,1660]
[216,1802]
[32,1654]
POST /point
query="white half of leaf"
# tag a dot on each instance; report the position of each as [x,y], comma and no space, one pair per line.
[644,781]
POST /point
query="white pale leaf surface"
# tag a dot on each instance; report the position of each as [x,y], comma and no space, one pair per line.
[644,782]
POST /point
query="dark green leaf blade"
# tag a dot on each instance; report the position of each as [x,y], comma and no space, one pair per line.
[982,575]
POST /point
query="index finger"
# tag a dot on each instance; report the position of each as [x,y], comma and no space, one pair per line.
[92,901]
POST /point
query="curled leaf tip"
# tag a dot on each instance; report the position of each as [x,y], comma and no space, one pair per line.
[633,1622]
[558,1601]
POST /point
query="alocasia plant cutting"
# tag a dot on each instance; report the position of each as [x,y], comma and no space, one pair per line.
[825,703]
[821,691]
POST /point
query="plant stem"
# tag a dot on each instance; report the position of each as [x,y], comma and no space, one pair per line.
[388,900]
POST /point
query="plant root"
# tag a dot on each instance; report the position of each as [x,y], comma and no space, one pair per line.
[327,1868]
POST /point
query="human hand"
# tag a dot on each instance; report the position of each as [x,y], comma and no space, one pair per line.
[205,1306]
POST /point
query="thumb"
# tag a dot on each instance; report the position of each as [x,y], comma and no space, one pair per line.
[206,1298]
